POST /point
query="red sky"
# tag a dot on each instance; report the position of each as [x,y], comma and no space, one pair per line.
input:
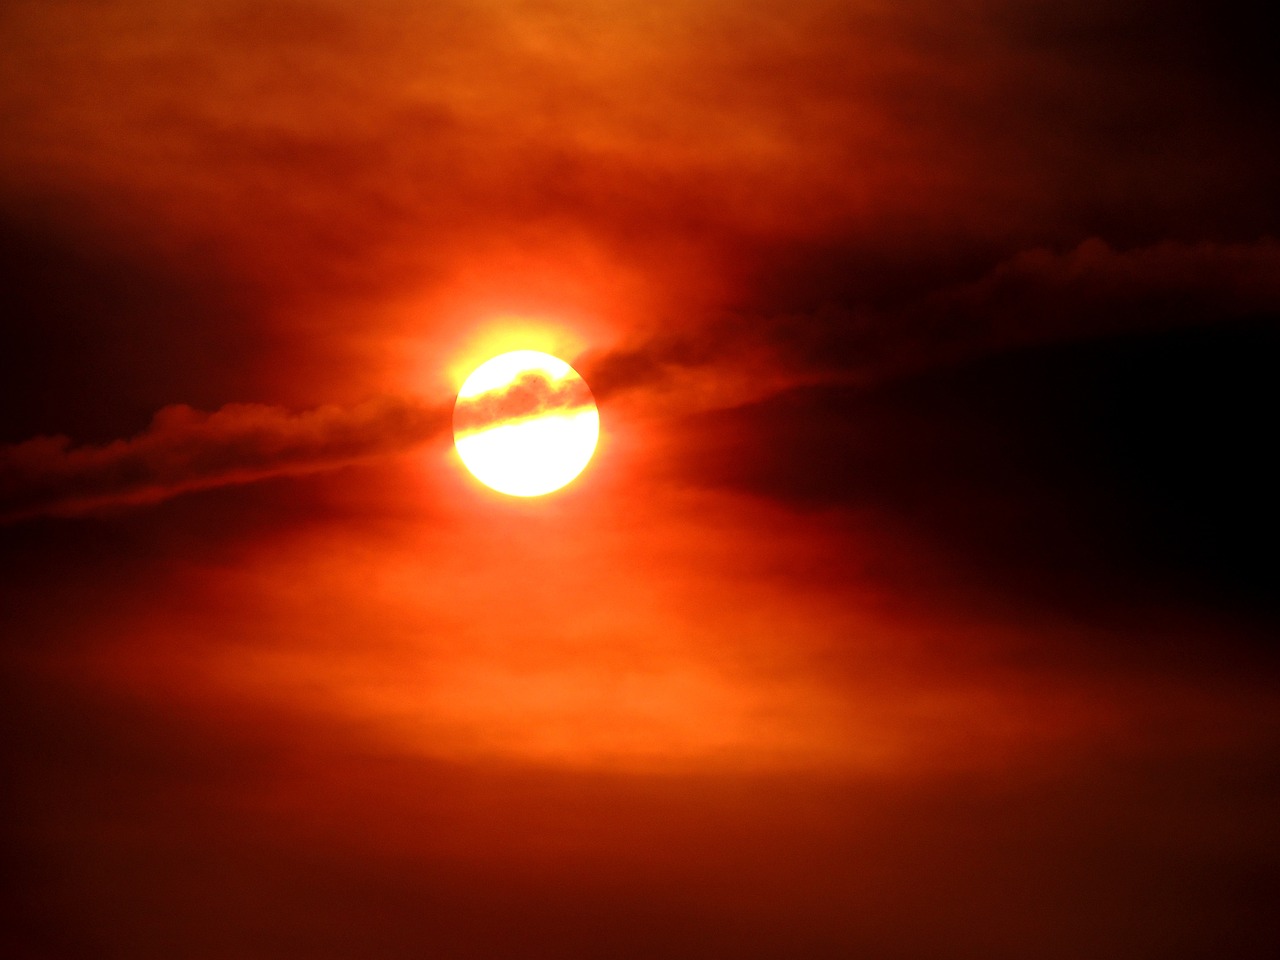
[920,600]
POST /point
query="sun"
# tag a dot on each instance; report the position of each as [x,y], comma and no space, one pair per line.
[525,423]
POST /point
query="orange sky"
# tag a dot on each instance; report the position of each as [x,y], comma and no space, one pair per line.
[917,604]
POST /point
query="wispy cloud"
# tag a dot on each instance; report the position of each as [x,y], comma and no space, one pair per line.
[529,395]
[1037,296]
[185,449]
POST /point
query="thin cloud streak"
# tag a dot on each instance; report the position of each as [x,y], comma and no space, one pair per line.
[1038,296]
[185,449]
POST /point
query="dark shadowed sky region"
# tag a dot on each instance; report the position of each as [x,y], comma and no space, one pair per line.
[921,600]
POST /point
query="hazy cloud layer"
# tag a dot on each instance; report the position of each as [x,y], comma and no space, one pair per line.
[909,608]
[302,167]
[184,449]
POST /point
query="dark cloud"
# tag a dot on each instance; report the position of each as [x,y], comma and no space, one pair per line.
[1096,289]
[532,394]
[184,449]
[1091,474]
[99,331]
[1038,296]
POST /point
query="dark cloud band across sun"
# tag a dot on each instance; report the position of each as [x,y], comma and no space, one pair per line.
[531,394]
[1037,296]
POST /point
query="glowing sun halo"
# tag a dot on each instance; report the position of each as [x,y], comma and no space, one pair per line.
[525,423]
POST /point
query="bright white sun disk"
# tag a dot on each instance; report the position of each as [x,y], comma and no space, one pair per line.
[525,423]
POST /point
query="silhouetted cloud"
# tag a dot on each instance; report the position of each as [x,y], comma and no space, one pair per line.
[184,449]
[531,394]
[1083,473]
[1038,296]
